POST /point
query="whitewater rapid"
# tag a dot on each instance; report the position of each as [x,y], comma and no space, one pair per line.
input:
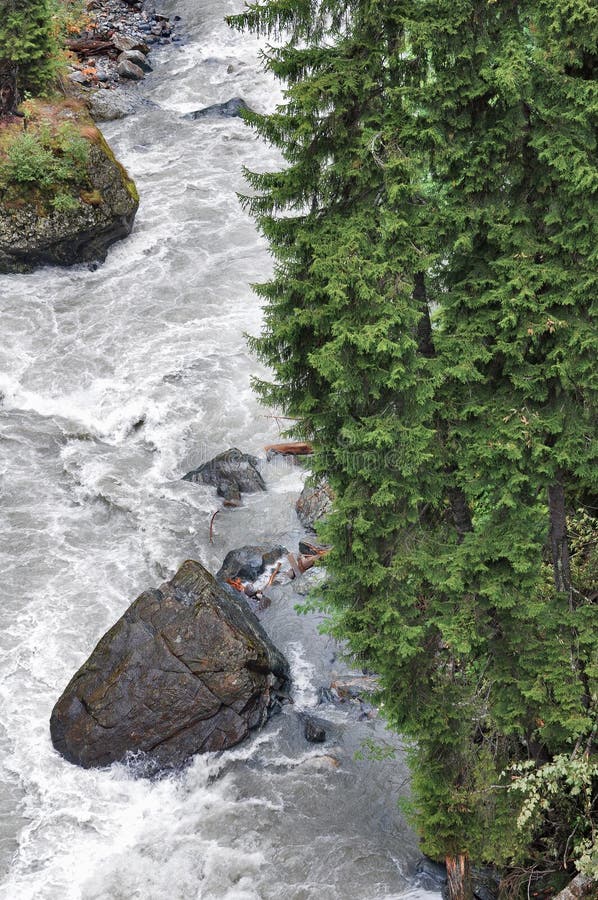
[113,383]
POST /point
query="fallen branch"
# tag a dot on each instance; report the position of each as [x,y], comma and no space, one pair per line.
[212,526]
[274,574]
[297,571]
[85,46]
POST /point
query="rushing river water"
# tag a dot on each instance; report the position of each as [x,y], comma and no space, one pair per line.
[113,383]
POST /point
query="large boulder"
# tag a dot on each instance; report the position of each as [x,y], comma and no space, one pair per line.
[43,223]
[232,472]
[187,669]
[314,504]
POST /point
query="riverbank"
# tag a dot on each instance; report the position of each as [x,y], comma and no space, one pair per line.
[111,54]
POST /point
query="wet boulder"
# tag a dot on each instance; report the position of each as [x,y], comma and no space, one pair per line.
[230,472]
[233,108]
[248,563]
[314,730]
[187,669]
[314,504]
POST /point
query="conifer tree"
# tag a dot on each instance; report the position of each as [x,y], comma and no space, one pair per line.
[27,39]
[424,171]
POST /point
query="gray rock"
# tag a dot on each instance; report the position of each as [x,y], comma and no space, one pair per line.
[231,109]
[247,563]
[31,238]
[187,669]
[123,42]
[314,504]
[128,69]
[355,687]
[231,468]
[136,57]
[78,78]
[105,106]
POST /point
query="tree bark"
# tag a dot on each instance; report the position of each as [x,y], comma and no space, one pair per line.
[460,511]
[559,543]
[458,875]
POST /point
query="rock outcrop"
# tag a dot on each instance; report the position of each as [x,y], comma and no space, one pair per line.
[187,669]
[231,473]
[92,210]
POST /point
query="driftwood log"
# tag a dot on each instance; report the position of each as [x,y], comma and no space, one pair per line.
[294,448]
[87,46]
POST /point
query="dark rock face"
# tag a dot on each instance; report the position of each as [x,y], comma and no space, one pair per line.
[314,504]
[314,732]
[187,669]
[231,109]
[247,563]
[231,469]
[83,234]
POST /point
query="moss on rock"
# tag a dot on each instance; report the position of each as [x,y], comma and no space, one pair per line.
[64,198]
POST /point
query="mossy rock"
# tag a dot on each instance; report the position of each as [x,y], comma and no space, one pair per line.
[64,198]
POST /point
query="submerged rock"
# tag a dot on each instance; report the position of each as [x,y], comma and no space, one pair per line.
[228,471]
[187,669]
[314,504]
[247,563]
[233,108]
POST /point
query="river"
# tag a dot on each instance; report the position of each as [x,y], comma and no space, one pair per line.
[113,383]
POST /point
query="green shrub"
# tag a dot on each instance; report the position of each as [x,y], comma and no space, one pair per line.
[45,158]
[63,203]
[29,161]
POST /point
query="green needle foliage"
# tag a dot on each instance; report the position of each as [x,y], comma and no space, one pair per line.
[431,325]
[27,39]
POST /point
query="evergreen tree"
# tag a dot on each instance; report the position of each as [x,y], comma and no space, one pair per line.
[27,39]
[441,155]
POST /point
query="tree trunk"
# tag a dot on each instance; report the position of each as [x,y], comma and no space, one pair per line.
[561,568]
[458,876]
[559,543]
[460,511]
[424,327]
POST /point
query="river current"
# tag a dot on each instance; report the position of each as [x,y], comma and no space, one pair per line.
[113,383]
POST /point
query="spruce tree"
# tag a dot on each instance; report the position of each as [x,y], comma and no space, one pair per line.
[423,173]
[27,40]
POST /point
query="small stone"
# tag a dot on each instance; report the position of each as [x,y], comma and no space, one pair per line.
[78,78]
